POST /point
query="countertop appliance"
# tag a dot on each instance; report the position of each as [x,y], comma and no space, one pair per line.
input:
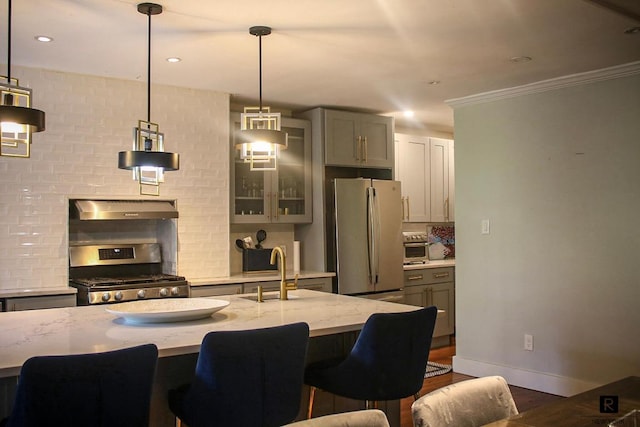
[121,272]
[368,227]
[416,247]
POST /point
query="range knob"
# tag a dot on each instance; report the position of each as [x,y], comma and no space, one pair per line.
[106,296]
[118,296]
[164,292]
[175,290]
[142,293]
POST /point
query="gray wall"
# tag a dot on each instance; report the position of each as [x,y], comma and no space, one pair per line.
[557,173]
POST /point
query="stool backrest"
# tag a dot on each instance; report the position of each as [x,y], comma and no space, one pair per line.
[392,351]
[101,389]
[248,378]
[467,403]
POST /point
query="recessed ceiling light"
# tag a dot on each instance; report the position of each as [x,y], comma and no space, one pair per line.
[44,39]
[632,30]
[519,59]
[174,59]
[408,113]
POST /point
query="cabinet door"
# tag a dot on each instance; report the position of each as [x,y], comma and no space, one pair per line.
[215,290]
[413,171]
[416,295]
[452,184]
[322,284]
[252,288]
[376,133]
[442,296]
[291,191]
[250,190]
[37,303]
[342,138]
[439,172]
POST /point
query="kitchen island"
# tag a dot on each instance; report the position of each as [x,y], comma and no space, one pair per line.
[333,322]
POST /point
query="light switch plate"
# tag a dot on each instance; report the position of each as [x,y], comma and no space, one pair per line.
[485,226]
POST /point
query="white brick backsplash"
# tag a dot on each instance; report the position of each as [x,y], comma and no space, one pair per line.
[88,121]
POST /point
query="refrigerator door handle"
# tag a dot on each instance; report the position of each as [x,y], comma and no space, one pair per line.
[370,237]
[374,234]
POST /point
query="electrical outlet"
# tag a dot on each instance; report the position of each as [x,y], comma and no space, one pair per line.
[528,342]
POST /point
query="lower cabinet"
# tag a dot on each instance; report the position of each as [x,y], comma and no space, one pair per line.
[322,284]
[39,302]
[433,286]
[215,290]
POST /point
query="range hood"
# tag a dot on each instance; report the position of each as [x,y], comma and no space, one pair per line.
[84,209]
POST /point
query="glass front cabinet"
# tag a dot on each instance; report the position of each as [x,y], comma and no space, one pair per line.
[281,196]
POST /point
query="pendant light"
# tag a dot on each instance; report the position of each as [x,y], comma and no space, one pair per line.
[17,119]
[148,160]
[260,137]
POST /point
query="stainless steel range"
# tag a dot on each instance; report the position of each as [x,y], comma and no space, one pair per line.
[111,273]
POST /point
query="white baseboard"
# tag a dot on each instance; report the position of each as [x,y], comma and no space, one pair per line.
[539,381]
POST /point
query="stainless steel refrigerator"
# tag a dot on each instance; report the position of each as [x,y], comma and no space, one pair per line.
[368,236]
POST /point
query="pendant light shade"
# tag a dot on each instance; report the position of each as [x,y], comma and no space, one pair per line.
[159,159]
[17,119]
[148,160]
[260,137]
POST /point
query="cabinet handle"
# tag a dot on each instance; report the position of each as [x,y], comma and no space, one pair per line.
[446,209]
[275,206]
[402,202]
[365,150]
[358,147]
[440,275]
[408,209]
[417,277]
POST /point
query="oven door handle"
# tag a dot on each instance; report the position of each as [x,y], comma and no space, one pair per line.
[416,245]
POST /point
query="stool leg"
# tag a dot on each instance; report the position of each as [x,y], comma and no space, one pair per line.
[371,404]
[416,396]
[312,395]
[178,422]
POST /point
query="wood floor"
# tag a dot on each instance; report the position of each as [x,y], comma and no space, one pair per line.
[525,399]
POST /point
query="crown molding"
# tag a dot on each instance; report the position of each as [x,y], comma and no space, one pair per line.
[615,72]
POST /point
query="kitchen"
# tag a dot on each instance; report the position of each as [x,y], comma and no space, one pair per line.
[533,264]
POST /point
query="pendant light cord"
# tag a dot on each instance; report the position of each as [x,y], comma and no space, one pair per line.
[9,45]
[149,70]
[260,68]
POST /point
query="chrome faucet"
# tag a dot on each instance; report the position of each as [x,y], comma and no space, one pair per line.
[284,286]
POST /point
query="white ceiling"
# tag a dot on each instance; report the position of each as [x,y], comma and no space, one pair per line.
[377,55]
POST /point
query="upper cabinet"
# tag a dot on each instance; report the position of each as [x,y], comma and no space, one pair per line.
[358,139]
[281,196]
[412,169]
[442,180]
[425,168]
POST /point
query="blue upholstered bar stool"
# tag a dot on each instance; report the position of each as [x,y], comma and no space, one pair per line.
[245,378]
[99,389]
[387,362]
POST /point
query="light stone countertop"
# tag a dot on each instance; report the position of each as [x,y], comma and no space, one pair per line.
[432,264]
[91,329]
